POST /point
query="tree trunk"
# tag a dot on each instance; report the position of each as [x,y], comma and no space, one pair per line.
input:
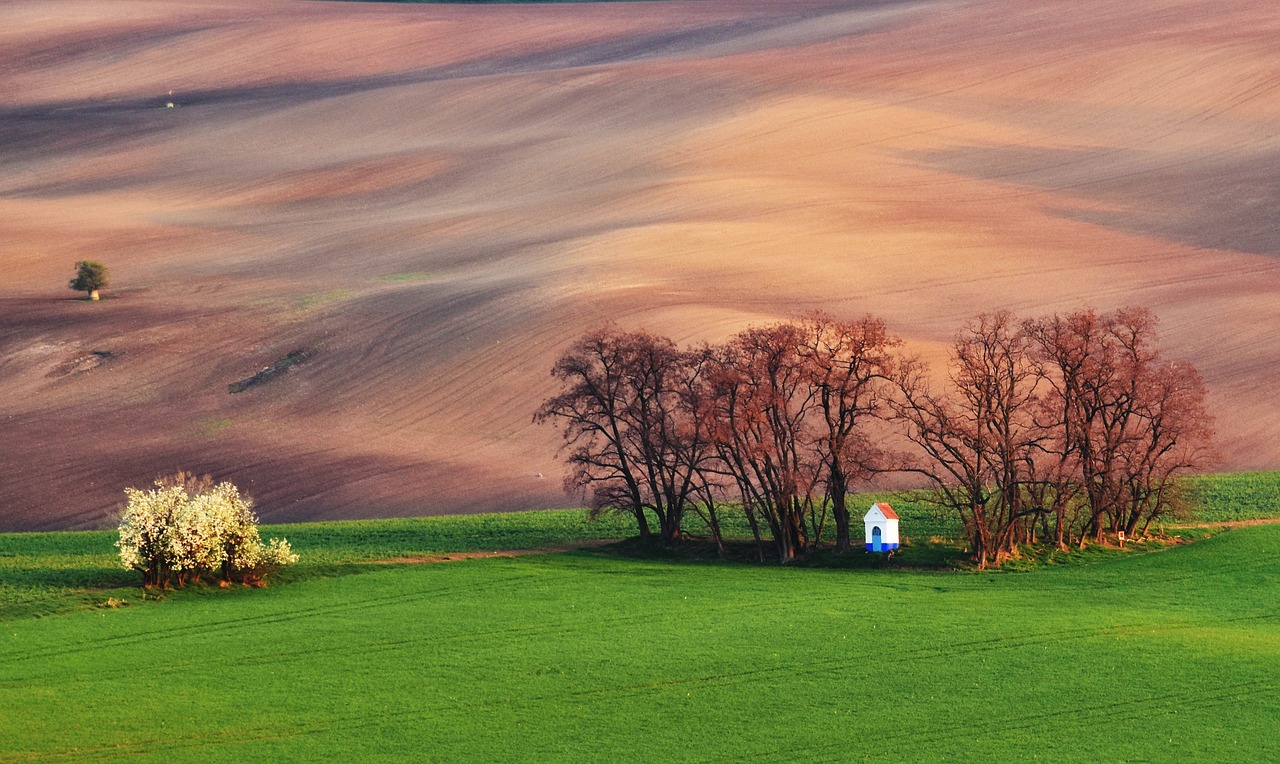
[786,552]
[645,534]
[840,509]
[755,530]
[839,506]
[669,527]
[714,524]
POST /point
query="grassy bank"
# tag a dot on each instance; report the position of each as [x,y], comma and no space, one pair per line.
[46,573]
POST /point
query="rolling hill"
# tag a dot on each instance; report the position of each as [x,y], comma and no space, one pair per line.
[431,202]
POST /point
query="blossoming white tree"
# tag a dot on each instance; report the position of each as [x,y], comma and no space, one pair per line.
[186,528]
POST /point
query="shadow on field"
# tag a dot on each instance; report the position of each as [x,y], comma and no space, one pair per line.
[914,555]
[41,591]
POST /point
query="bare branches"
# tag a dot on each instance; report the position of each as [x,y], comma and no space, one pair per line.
[760,402]
[849,365]
[1062,427]
[1128,421]
[1043,414]
[636,445]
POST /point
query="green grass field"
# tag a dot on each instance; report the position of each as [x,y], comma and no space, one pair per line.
[1236,496]
[598,655]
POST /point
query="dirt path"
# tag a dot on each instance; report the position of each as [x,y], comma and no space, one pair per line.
[1232,523]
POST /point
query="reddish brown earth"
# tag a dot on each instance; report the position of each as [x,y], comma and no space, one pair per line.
[437,199]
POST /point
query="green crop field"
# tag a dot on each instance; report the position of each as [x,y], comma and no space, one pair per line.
[1159,653]
[1236,496]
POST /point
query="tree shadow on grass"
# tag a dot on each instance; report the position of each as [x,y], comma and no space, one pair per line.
[40,591]
[932,554]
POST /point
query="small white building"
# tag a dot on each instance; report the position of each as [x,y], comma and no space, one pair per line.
[882,528]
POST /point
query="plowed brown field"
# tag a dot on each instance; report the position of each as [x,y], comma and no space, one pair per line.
[435,200]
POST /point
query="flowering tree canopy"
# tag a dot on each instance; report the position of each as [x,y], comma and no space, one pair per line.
[182,529]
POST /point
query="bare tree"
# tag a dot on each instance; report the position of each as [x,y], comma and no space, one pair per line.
[635,444]
[978,439]
[849,365]
[1128,421]
[1065,349]
[760,405]
[1173,437]
[695,441]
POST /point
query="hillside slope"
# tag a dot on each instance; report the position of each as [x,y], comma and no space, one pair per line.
[433,201]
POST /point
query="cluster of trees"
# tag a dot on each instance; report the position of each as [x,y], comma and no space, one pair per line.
[769,420]
[186,528]
[1060,428]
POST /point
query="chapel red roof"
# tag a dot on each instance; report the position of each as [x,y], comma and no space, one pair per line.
[887,510]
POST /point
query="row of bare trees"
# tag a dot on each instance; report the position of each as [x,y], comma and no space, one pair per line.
[1061,428]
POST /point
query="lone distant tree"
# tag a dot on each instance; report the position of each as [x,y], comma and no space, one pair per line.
[90,277]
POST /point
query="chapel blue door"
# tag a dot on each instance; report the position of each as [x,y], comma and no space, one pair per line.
[875,540]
